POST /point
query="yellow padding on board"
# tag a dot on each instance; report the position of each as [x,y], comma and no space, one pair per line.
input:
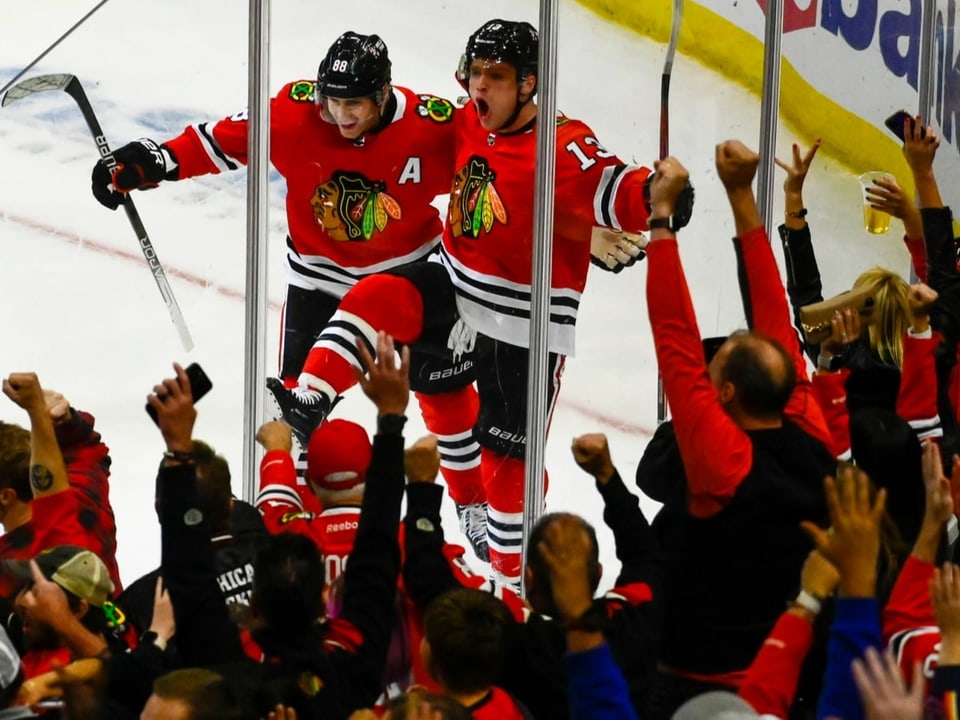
[731,51]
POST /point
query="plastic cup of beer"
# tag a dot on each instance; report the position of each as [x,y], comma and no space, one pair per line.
[876,221]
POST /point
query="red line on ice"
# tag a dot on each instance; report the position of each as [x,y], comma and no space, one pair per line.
[171,271]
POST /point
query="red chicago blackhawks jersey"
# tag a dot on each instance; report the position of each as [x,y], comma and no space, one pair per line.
[353,207]
[333,529]
[488,239]
[909,625]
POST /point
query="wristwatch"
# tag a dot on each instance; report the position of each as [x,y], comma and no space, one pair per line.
[830,363]
[663,223]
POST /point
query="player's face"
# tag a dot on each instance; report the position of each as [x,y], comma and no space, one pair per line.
[494,90]
[354,116]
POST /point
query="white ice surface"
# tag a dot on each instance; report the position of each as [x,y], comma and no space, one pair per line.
[80,307]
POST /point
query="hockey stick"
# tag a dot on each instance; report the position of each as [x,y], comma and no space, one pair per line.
[70,85]
[675,22]
[56,42]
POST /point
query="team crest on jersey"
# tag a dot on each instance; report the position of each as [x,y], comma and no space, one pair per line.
[349,207]
[289,517]
[302,91]
[435,108]
[474,201]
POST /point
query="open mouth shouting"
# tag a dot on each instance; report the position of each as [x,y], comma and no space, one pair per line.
[483,109]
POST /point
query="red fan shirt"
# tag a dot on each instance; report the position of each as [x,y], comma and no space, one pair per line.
[81,515]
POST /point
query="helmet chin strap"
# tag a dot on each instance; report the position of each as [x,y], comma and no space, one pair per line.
[521,104]
[387,110]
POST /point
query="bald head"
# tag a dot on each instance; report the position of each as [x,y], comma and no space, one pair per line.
[754,373]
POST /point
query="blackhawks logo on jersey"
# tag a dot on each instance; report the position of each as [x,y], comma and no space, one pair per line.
[438,109]
[289,517]
[352,208]
[302,91]
[474,201]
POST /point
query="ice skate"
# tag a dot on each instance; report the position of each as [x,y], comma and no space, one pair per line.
[473,525]
[303,409]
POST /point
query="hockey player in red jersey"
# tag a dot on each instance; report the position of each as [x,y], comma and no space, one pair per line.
[475,302]
[363,160]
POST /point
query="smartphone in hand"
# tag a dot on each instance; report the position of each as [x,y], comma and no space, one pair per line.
[200,385]
[896,122]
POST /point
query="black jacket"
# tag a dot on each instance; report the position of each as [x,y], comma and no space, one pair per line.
[345,677]
[535,672]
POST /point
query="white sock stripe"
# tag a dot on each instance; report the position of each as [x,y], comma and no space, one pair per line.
[472,449]
[316,383]
[362,326]
[455,438]
[506,535]
[505,518]
[504,548]
[349,333]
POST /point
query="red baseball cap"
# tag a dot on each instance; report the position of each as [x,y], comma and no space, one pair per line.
[338,455]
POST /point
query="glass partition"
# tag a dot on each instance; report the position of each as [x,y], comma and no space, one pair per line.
[83,311]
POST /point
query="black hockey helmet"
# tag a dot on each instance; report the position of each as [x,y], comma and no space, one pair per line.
[505,41]
[355,66]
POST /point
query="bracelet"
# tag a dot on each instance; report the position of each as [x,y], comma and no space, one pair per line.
[179,456]
[801,213]
[809,601]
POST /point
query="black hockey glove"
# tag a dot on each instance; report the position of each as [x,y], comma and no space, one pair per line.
[141,165]
[684,208]
[614,250]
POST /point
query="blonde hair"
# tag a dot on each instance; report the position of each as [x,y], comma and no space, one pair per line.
[891,318]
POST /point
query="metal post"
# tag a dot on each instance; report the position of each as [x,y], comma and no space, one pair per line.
[769,111]
[255,315]
[542,268]
[928,49]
